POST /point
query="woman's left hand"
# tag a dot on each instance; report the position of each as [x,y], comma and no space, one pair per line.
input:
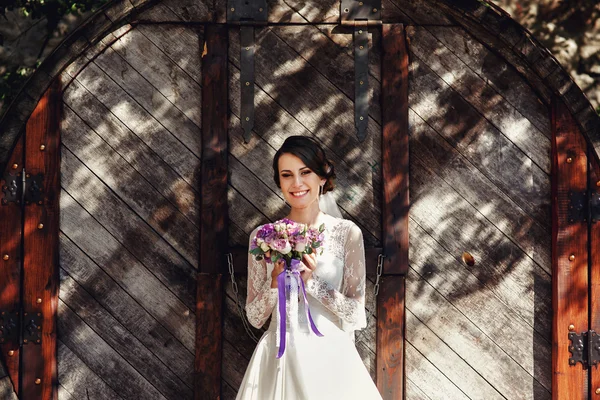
[309,261]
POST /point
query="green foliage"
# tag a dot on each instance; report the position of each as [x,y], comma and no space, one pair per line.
[53,10]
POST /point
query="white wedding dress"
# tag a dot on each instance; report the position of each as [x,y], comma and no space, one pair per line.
[312,367]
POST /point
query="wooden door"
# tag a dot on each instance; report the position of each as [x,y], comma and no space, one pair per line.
[576,260]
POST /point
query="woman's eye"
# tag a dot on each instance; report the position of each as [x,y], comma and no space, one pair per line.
[306,172]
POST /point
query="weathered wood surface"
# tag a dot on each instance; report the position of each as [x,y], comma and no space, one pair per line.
[570,262]
[594,186]
[213,228]
[10,273]
[40,248]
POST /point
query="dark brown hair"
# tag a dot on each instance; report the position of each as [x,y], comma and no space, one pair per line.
[313,156]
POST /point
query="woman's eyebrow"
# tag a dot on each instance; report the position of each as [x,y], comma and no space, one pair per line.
[287,170]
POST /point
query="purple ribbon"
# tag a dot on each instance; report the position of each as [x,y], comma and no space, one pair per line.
[283,286]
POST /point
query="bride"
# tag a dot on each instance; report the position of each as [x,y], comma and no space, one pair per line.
[312,367]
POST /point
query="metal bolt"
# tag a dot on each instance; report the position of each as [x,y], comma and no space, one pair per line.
[361,82]
[27,175]
[15,166]
[360,31]
[38,381]
[232,9]
[42,147]
[360,3]
[260,9]
[25,340]
[598,183]
[361,118]
[571,327]
[569,160]
[597,390]
[40,226]
[6,257]
[571,257]
[346,10]
[247,118]
[11,353]
[361,47]
[39,300]
[247,83]
[374,10]
[247,48]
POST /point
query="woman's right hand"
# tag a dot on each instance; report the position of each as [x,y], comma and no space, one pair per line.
[278,269]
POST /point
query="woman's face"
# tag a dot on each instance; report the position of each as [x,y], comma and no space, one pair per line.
[299,184]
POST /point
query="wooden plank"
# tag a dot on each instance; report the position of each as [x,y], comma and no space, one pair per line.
[394,149]
[464,178]
[121,340]
[130,186]
[122,266]
[209,340]
[101,358]
[472,345]
[485,62]
[107,291]
[430,380]
[10,272]
[166,76]
[594,186]
[213,229]
[181,50]
[40,266]
[390,337]
[474,137]
[139,121]
[570,283]
[418,12]
[461,288]
[128,229]
[450,365]
[500,267]
[144,159]
[484,97]
[150,93]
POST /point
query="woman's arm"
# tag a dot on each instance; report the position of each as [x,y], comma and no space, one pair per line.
[261,297]
[349,304]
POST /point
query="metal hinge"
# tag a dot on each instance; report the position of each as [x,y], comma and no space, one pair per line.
[16,189]
[361,14]
[585,348]
[31,327]
[579,206]
[247,13]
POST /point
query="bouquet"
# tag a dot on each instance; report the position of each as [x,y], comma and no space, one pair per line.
[289,240]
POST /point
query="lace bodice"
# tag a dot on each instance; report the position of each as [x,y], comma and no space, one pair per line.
[338,283]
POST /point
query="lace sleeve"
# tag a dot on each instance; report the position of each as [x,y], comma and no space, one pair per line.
[261,297]
[349,305]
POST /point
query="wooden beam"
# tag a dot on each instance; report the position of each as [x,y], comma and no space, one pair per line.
[394,152]
[569,253]
[10,262]
[391,328]
[39,379]
[594,185]
[390,300]
[213,228]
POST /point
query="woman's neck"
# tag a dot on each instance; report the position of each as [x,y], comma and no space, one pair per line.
[309,215]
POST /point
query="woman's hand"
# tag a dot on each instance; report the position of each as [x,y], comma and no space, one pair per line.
[309,262]
[278,269]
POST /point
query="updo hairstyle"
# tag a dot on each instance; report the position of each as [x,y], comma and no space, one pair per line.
[313,156]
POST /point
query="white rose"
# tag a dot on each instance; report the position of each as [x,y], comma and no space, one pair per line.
[300,246]
[287,248]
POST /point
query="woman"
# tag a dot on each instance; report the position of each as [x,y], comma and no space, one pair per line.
[312,367]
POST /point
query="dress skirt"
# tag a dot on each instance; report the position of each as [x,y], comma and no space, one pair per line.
[312,368]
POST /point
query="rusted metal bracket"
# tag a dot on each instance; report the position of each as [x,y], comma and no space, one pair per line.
[351,10]
[31,326]
[361,15]
[361,81]
[247,80]
[585,348]
[580,205]
[13,189]
[247,13]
